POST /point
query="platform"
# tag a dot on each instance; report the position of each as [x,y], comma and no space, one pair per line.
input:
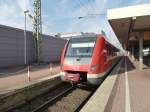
[18,77]
[129,93]
[137,98]
[18,95]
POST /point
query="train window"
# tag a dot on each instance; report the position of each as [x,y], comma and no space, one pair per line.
[82,47]
[82,40]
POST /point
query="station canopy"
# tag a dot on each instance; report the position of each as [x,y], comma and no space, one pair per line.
[129,22]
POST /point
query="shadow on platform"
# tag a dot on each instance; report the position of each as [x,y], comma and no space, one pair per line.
[130,66]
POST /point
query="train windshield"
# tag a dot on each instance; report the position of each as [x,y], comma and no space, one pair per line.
[81,47]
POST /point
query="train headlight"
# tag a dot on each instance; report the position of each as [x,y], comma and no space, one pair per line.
[93,68]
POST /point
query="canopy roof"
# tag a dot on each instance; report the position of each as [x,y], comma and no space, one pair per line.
[128,22]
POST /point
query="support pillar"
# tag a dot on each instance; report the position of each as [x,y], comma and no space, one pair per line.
[141,51]
[132,52]
[124,47]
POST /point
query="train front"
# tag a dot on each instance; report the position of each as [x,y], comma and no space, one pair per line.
[76,59]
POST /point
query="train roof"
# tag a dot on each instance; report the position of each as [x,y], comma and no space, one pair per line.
[85,35]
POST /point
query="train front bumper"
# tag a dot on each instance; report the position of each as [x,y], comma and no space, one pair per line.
[70,77]
[94,79]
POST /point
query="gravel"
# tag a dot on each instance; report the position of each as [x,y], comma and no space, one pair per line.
[71,102]
[34,103]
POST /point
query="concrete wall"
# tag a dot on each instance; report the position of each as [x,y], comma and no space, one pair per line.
[52,48]
[12,47]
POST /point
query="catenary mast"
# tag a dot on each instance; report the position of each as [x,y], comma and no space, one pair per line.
[37,30]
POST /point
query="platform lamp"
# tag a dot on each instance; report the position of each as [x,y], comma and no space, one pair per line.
[25,38]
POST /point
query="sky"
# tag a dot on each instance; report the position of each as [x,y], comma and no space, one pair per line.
[61,16]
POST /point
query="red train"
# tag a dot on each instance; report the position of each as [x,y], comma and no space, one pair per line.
[87,58]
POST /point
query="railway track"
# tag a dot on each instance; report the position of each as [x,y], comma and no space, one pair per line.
[64,98]
[73,101]
[41,102]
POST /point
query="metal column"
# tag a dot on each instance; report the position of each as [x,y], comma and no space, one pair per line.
[141,51]
[132,52]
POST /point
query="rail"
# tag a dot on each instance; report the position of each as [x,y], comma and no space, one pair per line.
[47,103]
[40,101]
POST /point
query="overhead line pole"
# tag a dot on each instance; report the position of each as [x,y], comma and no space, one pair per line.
[37,30]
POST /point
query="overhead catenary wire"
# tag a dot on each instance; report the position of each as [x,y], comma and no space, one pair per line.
[88,5]
[83,5]
[91,6]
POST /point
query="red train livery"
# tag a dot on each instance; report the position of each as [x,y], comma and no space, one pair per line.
[87,58]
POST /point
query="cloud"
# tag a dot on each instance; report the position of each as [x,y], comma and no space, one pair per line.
[9,17]
[62,15]
[12,13]
[24,4]
[64,18]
